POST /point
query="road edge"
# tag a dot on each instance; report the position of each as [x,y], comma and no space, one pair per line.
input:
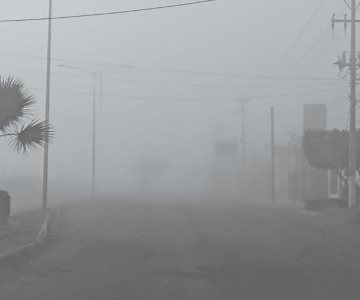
[39,239]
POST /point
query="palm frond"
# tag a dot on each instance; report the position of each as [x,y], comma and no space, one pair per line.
[36,133]
[15,102]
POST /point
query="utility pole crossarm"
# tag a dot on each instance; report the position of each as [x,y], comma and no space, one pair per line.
[346,21]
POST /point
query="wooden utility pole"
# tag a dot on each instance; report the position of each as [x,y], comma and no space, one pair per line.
[353,65]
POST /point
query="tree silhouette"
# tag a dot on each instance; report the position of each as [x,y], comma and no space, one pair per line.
[329,150]
[15,112]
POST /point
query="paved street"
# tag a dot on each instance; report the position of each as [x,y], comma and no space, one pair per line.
[134,249]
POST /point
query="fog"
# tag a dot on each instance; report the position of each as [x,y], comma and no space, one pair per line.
[178,183]
[146,111]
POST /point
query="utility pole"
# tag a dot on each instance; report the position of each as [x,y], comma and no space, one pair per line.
[243,135]
[243,102]
[100,127]
[353,65]
[273,188]
[93,174]
[47,112]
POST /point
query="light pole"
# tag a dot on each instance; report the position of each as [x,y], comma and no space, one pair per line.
[101,94]
[95,75]
[47,112]
[272,139]
[93,163]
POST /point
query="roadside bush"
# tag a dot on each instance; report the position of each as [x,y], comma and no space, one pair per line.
[321,204]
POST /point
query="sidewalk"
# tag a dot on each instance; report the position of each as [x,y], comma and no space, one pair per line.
[23,230]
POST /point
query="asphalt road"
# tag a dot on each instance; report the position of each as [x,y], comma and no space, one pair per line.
[154,251]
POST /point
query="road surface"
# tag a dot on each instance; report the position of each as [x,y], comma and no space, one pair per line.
[155,250]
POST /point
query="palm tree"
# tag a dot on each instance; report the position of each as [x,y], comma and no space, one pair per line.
[15,111]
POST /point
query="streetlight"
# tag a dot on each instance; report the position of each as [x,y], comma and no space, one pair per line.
[93,171]
[101,85]
[47,111]
[95,74]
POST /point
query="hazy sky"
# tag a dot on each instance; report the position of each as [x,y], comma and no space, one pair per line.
[267,38]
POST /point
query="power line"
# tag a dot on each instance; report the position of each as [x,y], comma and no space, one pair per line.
[217,85]
[302,32]
[240,75]
[106,13]
[325,81]
[316,43]
[194,72]
[141,98]
[178,71]
[169,83]
[313,45]
[149,122]
[333,105]
[55,59]
[336,117]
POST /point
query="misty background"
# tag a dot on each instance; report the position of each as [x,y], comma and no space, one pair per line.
[174,98]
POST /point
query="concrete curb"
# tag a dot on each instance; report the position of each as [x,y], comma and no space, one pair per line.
[40,238]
